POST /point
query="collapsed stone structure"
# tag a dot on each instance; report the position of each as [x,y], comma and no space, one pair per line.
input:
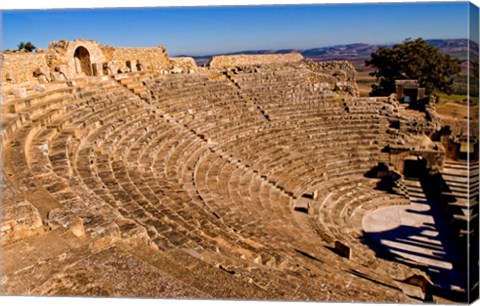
[228,61]
[147,176]
[66,60]
[338,76]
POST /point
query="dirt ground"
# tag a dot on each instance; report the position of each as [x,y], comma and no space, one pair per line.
[364,83]
[455,109]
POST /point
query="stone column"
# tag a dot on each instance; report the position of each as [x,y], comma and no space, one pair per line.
[97,69]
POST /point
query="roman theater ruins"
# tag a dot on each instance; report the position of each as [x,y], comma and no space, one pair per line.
[130,173]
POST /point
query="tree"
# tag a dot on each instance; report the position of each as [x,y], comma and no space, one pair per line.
[473,78]
[29,47]
[413,59]
[474,69]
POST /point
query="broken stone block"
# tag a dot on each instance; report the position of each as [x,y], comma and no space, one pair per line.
[19,93]
[58,218]
[39,88]
[258,260]
[104,236]
[343,250]
[20,220]
[6,227]
[77,228]
[415,286]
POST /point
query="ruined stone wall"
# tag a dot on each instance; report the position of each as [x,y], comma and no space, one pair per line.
[61,61]
[60,56]
[19,67]
[339,76]
[184,63]
[434,158]
[228,61]
[150,59]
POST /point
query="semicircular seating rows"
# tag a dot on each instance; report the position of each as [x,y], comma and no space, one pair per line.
[208,173]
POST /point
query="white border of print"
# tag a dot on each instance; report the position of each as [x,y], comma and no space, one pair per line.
[47,4]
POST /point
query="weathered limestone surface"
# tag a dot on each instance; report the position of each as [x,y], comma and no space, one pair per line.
[339,76]
[227,61]
[163,184]
[19,220]
[58,62]
[151,59]
[184,63]
[19,67]
[60,55]
[115,273]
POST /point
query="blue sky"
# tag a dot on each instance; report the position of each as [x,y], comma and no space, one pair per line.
[204,30]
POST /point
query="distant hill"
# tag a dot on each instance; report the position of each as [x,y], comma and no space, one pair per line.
[455,47]
[359,52]
[341,51]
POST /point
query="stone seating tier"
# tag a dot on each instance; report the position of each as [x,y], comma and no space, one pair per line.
[206,175]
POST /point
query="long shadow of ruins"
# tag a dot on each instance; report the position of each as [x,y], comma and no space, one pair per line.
[429,247]
[388,178]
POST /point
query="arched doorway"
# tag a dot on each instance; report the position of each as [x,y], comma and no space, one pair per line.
[139,66]
[129,66]
[82,61]
[414,167]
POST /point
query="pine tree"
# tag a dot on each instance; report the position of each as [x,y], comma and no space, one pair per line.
[413,59]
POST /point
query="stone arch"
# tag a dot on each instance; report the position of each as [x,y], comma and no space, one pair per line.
[82,61]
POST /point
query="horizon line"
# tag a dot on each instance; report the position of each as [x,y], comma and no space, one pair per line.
[216,53]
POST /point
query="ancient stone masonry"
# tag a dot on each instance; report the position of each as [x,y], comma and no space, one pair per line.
[19,217]
[67,60]
[410,132]
[135,59]
[127,173]
[338,76]
[20,67]
[230,61]
[334,76]
[184,64]
[409,91]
